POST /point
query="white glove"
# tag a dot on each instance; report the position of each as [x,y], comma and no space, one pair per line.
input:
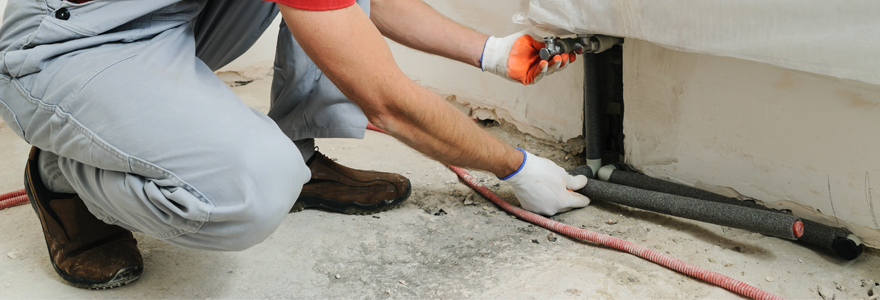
[516,57]
[544,188]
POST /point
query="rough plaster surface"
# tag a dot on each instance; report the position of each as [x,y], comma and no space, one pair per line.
[415,252]
[792,140]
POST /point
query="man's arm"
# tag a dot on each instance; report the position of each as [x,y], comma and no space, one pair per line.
[351,52]
[414,24]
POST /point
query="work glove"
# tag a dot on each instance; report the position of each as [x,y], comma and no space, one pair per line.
[544,188]
[515,57]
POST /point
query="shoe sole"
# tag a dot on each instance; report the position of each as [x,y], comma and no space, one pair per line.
[350,208]
[122,277]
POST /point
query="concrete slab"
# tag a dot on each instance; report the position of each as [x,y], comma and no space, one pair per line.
[471,251]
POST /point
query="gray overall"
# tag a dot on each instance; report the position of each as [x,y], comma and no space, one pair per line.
[149,137]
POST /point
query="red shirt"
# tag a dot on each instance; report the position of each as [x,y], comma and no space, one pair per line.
[315,4]
[301,4]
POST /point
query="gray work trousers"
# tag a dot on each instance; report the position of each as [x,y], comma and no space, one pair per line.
[149,137]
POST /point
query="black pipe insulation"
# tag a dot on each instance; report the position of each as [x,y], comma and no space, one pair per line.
[756,220]
[581,170]
[592,131]
[838,240]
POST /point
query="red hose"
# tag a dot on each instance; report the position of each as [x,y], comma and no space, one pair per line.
[728,283]
[16,201]
[11,199]
[12,194]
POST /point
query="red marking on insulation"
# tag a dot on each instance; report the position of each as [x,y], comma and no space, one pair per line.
[798,228]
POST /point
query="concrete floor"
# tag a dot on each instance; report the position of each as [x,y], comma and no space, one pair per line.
[472,251]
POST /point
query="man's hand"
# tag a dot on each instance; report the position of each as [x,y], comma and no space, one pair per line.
[544,188]
[515,57]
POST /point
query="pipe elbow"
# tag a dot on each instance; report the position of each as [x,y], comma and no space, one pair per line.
[604,173]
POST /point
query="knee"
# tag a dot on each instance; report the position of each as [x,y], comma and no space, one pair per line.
[256,195]
[247,230]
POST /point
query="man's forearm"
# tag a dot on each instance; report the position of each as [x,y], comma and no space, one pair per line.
[368,75]
[416,25]
[439,130]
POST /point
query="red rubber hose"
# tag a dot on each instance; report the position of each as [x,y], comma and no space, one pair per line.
[11,195]
[11,199]
[728,283]
[15,201]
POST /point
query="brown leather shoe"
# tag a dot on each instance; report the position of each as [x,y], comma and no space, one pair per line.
[339,188]
[85,251]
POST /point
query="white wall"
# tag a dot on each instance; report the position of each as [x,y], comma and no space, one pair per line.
[795,140]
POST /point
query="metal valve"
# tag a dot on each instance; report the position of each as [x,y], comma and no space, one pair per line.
[556,46]
[580,44]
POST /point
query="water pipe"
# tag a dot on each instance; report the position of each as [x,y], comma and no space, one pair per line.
[755,220]
[839,240]
[592,129]
[592,45]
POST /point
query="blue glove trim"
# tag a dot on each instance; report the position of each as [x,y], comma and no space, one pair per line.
[484,51]
[525,156]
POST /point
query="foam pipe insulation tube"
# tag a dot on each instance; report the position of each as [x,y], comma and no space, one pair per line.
[591,114]
[756,220]
[839,240]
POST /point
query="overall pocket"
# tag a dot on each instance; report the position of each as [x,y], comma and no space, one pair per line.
[68,27]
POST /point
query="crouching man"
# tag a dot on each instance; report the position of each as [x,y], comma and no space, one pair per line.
[132,130]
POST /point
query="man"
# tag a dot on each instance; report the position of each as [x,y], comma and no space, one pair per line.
[132,131]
